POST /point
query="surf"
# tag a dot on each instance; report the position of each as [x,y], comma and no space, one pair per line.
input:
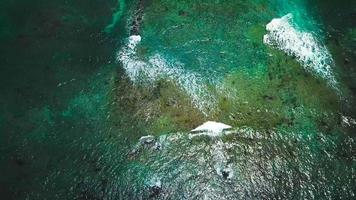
[156,67]
[312,54]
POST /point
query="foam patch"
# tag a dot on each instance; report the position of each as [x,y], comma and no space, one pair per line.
[157,67]
[309,52]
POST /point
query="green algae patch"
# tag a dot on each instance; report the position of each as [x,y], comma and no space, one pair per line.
[162,107]
[255,33]
[250,101]
[306,98]
[163,124]
[263,97]
[293,80]
[178,107]
[267,97]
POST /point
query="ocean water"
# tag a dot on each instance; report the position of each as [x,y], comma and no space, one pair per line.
[99,99]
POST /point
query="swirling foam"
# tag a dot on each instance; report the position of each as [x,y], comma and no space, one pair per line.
[157,67]
[312,54]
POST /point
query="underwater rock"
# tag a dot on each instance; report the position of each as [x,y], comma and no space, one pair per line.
[346,61]
[137,19]
[155,188]
[155,191]
[267,97]
[226,173]
[182,13]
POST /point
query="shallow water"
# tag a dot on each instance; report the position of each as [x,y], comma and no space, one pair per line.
[82,82]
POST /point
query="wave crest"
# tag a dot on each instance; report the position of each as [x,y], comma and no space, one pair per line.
[312,54]
[156,67]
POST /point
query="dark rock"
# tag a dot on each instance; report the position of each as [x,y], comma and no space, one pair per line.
[182,13]
[136,23]
[267,97]
[157,146]
[225,174]
[19,162]
[346,61]
[155,191]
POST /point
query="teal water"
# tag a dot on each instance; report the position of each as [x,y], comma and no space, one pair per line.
[78,94]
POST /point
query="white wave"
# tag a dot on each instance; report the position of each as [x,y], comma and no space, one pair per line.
[311,53]
[133,41]
[210,128]
[157,67]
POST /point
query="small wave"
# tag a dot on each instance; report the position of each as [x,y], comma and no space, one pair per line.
[157,68]
[308,51]
[210,128]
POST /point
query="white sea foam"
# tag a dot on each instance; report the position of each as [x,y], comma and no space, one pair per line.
[210,128]
[133,41]
[157,67]
[308,50]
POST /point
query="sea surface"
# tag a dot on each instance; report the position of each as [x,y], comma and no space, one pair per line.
[98,99]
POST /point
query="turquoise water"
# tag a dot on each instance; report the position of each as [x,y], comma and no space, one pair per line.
[98,99]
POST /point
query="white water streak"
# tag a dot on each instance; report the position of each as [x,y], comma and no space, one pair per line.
[308,50]
[157,67]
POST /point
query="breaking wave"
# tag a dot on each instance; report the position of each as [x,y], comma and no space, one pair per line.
[157,67]
[311,53]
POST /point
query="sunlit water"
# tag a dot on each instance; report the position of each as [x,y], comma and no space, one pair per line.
[178,100]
